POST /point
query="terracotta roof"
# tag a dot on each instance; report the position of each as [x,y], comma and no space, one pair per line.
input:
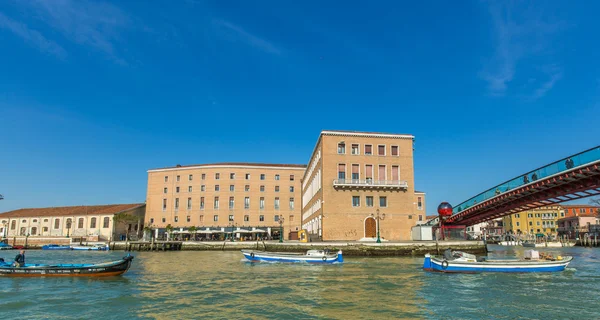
[70,211]
[363,132]
[580,215]
[245,164]
[579,206]
[431,217]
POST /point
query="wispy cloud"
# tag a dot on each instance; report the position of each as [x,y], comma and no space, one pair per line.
[238,33]
[89,23]
[33,37]
[520,33]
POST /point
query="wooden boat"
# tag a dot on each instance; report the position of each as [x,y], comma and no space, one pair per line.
[105,269]
[311,256]
[94,247]
[457,261]
[55,247]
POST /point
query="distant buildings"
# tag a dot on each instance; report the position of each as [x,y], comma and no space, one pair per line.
[545,220]
[91,223]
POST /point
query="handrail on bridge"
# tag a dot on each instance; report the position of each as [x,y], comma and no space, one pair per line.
[568,163]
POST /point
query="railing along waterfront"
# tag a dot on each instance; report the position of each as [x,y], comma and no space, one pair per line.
[370,183]
[583,158]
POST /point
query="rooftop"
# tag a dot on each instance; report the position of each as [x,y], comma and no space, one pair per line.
[70,211]
[235,164]
[366,133]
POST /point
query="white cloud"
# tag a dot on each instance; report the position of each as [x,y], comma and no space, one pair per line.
[250,39]
[33,37]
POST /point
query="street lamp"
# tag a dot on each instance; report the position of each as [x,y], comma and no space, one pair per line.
[281,219]
[378,218]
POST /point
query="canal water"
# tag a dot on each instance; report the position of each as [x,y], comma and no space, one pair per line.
[219,285]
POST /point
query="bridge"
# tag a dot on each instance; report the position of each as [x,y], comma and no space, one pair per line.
[571,178]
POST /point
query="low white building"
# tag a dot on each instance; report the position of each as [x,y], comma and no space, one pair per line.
[87,222]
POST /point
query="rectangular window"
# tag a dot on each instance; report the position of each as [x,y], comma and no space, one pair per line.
[355,170]
[368,149]
[354,149]
[419,203]
[276,177]
[369,173]
[56,223]
[217,188]
[190,177]
[518,224]
[216,203]
[190,189]
[262,188]
[369,201]
[189,204]
[276,218]
[292,218]
[164,220]
[276,188]
[261,218]
[176,189]
[355,201]
[232,176]
[232,188]
[291,188]
[341,148]
[188,219]
[291,177]
[247,176]
[164,204]
[176,203]
[394,150]
[383,202]
[410,216]
[395,173]
[231,202]
[381,150]
[165,190]
[202,188]
[292,203]
[216,217]
[230,217]
[203,176]
[246,218]
[262,176]
[247,188]
[420,217]
[262,202]
[166,178]
[342,171]
[217,176]
[178,178]
[202,203]
[201,218]
[277,203]
[381,176]
[247,203]
[176,219]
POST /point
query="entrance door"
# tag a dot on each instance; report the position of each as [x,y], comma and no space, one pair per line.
[370,228]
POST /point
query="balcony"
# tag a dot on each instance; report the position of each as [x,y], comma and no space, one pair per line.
[369,183]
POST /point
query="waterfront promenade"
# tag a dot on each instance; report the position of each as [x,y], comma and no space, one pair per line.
[350,248]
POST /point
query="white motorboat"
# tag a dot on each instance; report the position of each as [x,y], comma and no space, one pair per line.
[311,256]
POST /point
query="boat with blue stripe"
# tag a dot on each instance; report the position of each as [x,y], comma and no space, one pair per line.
[56,247]
[105,269]
[461,262]
[311,256]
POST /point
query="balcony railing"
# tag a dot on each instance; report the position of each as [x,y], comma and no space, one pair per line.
[369,183]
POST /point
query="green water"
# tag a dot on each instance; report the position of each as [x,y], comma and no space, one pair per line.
[219,285]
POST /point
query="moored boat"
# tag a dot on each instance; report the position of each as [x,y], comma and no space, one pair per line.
[311,256]
[55,247]
[4,246]
[105,269]
[457,261]
[94,247]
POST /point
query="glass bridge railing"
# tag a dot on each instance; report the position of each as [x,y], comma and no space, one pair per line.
[583,158]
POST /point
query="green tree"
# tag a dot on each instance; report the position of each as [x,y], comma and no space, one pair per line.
[192,231]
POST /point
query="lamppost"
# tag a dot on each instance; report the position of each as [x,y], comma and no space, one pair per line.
[281,219]
[378,218]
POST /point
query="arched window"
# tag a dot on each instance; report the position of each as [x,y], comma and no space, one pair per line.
[33,231]
[56,223]
[80,224]
[93,223]
[106,222]
[13,225]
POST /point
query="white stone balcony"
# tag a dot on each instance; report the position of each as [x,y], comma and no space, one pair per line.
[369,183]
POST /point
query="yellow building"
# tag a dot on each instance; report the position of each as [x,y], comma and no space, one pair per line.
[535,221]
[226,196]
[354,176]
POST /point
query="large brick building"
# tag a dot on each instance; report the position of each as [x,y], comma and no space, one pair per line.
[349,177]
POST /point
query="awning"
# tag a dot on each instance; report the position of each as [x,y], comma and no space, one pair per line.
[242,231]
[177,231]
[258,231]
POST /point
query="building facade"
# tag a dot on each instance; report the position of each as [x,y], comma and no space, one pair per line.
[359,183]
[544,219]
[226,197]
[93,223]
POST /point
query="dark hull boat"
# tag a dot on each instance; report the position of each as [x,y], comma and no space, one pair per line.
[106,269]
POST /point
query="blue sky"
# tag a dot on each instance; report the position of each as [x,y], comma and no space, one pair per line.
[94,93]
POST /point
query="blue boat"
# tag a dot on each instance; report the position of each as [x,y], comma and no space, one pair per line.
[105,269]
[311,256]
[461,262]
[4,246]
[55,247]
